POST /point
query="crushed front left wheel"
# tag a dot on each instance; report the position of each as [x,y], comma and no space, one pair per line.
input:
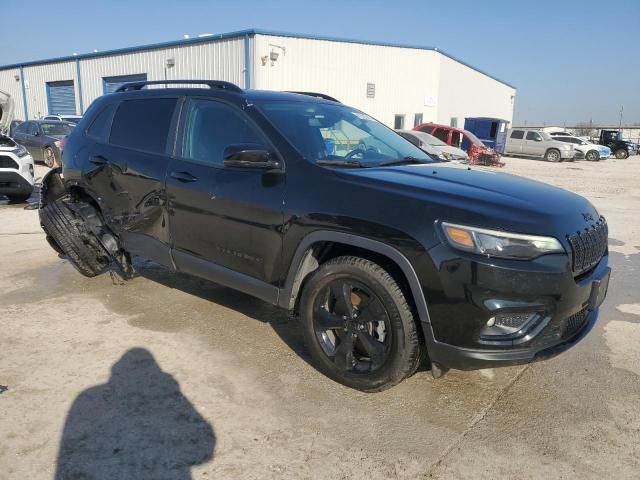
[67,231]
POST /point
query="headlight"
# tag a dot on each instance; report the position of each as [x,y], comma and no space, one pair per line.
[57,143]
[495,243]
[20,151]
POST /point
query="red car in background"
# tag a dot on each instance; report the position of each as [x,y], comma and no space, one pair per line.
[479,153]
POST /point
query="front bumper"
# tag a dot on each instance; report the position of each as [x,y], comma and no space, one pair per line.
[13,183]
[473,291]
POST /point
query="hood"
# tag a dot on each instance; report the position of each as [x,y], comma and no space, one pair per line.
[492,199]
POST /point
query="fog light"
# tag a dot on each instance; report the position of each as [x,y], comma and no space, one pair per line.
[506,324]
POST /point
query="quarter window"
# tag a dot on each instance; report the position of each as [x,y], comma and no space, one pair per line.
[143,124]
[102,123]
[212,127]
[517,134]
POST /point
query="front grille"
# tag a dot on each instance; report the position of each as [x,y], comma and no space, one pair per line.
[575,323]
[8,162]
[588,246]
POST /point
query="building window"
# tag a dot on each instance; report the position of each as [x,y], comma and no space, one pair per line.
[371,90]
[454,122]
[417,119]
[398,122]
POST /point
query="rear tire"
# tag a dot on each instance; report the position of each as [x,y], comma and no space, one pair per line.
[621,154]
[380,334]
[553,155]
[67,231]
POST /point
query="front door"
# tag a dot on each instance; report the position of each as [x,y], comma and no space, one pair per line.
[223,220]
[533,144]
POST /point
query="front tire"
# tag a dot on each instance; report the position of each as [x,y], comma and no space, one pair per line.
[50,157]
[68,234]
[621,154]
[553,155]
[592,156]
[358,325]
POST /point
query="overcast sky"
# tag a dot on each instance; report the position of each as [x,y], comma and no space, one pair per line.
[570,60]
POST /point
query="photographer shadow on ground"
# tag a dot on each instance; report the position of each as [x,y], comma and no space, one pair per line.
[137,425]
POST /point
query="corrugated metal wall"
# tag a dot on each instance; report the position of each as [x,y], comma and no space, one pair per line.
[403,77]
[220,60]
[36,78]
[216,59]
[465,92]
[407,81]
[9,85]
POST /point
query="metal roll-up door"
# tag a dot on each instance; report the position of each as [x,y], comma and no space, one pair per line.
[61,98]
[111,84]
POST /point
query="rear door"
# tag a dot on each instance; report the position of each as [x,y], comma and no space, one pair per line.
[515,141]
[125,167]
[220,216]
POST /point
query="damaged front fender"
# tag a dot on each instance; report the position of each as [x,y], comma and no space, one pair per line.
[52,187]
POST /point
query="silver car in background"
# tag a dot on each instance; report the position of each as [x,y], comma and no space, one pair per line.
[535,143]
[434,146]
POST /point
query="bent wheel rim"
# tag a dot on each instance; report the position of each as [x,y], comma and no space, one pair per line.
[352,326]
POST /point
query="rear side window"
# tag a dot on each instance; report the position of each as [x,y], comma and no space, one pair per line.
[101,125]
[143,124]
[212,127]
[533,136]
[517,134]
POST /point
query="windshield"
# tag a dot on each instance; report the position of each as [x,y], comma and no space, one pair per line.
[473,138]
[55,129]
[336,133]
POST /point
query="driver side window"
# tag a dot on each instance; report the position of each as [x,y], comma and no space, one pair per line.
[213,126]
[33,129]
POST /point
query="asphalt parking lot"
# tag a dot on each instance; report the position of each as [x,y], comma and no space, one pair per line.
[173,377]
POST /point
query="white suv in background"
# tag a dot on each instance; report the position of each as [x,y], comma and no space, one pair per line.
[535,143]
[16,170]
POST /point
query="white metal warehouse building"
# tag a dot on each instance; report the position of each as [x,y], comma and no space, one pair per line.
[400,85]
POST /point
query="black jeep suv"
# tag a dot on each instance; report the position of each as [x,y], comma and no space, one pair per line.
[387,256]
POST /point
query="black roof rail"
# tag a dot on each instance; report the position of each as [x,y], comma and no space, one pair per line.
[317,95]
[232,87]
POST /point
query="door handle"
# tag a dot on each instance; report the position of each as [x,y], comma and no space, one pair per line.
[183,176]
[98,160]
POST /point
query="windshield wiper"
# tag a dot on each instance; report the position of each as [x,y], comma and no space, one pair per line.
[403,161]
[342,163]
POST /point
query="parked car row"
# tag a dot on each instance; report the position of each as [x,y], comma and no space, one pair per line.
[44,139]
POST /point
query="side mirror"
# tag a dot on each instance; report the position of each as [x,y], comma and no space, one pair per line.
[36,133]
[250,155]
